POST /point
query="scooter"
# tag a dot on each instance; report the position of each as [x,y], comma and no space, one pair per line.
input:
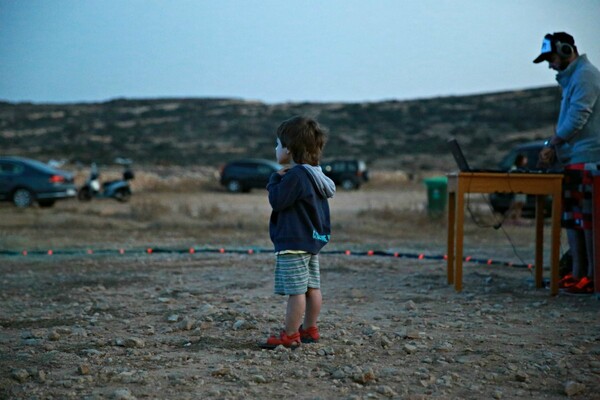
[117,189]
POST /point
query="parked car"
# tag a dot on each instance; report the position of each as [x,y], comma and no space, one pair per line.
[531,150]
[24,181]
[501,201]
[349,174]
[244,175]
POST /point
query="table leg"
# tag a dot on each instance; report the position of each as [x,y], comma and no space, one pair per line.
[458,255]
[596,231]
[555,249]
[451,240]
[539,241]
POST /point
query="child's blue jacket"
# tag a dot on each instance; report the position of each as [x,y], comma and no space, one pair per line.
[300,219]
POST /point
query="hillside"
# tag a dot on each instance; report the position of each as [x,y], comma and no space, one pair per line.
[388,134]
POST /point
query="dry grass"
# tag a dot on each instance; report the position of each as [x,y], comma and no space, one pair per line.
[388,212]
[161,179]
[176,179]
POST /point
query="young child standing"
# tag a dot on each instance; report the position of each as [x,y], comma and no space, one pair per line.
[299,227]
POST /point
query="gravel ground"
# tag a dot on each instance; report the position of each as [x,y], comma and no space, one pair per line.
[186,326]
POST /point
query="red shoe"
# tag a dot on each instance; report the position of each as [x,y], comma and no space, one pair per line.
[284,340]
[310,335]
[584,286]
[567,281]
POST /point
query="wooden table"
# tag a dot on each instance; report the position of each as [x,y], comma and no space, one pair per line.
[540,185]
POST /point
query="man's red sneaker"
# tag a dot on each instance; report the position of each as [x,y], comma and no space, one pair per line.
[567,281]
[284,340]
[584,286]
[309,335]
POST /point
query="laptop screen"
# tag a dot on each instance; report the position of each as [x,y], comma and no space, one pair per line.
[461,161]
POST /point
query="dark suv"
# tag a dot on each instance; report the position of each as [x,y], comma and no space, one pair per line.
[349,174]
[501,201]
[243,175]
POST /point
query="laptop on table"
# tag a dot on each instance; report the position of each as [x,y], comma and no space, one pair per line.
[464,166]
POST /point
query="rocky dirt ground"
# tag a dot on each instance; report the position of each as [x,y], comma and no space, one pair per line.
[186,326]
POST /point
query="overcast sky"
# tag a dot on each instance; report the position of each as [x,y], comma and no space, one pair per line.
[278,50]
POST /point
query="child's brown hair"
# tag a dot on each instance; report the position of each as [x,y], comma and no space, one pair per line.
[304,138]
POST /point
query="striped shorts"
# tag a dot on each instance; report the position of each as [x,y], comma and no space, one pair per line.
[295,273]
[577,196]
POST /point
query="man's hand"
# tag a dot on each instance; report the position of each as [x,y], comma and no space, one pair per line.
[546,157]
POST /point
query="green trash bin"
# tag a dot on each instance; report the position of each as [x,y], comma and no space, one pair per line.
[437,188]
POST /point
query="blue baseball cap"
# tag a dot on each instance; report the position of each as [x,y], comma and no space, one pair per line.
[549,44]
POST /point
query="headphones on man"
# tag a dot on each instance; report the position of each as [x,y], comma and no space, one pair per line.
[564,50]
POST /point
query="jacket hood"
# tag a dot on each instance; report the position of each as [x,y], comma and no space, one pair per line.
[324,185]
